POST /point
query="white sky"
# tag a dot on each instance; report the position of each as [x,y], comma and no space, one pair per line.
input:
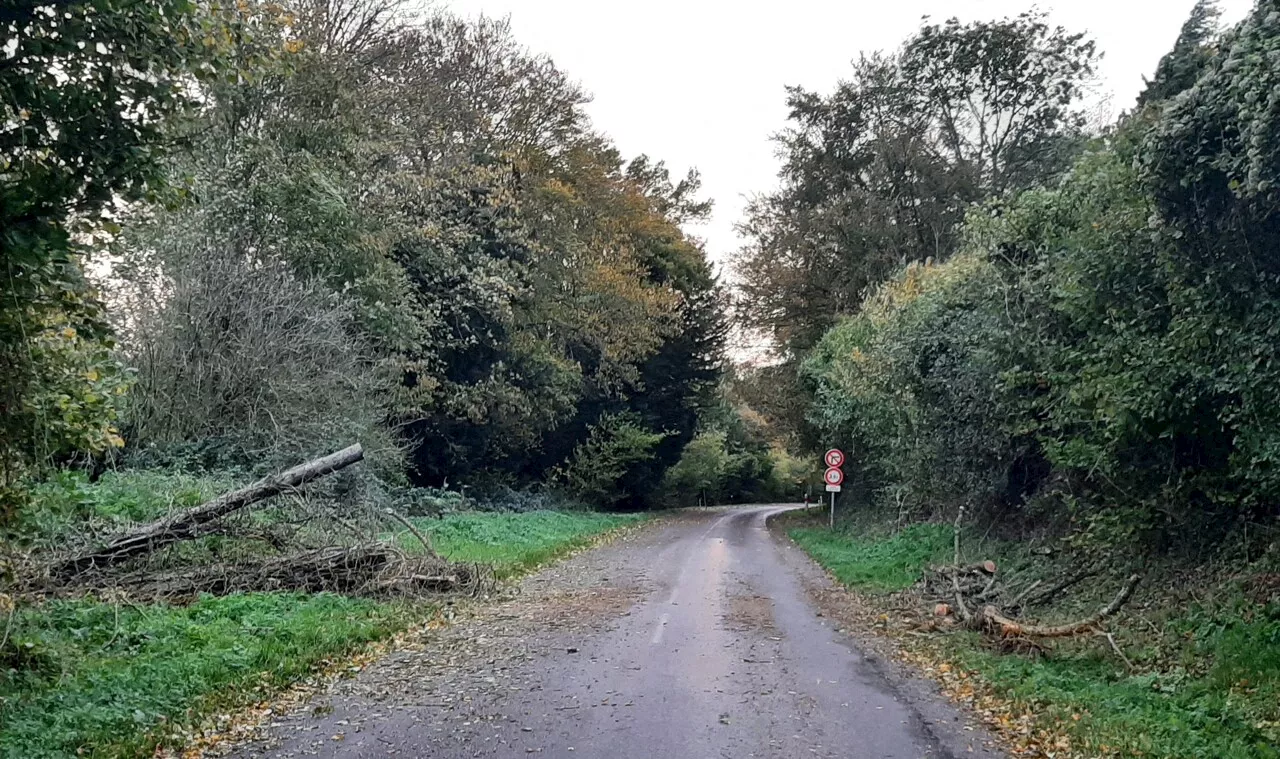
[699,83]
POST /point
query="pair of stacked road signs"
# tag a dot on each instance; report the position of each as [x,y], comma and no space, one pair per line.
[834,476]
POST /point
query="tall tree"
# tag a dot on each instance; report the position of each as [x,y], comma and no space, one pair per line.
[881,172]
[863,191]
[1182,66]
[998,96]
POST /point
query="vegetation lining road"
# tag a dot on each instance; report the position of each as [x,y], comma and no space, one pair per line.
[107,677]
[315,223]
[1203,679]
[516,543]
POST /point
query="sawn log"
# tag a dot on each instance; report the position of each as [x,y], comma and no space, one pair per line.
[191,523]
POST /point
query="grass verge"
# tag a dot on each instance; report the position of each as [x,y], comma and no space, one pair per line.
[885,564]
[91,678]
[516,543]
[115,680]
[1205,682]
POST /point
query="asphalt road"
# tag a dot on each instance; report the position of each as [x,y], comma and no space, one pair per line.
[696,638]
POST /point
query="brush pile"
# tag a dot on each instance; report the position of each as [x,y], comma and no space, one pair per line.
[975,596]
[312,551]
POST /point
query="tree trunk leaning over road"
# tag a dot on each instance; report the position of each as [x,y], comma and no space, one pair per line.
[191,523]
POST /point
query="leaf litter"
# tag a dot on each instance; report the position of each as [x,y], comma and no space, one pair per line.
[462,654]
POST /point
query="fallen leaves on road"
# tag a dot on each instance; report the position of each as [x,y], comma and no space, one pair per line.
[456,650]
[890,629]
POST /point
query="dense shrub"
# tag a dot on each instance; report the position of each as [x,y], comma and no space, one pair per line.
[504,498]
[1104,348]
[910,387]
[243,354]
[617,445]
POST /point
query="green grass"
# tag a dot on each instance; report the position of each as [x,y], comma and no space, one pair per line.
[1155,714]
[1206,683]
[515,542]
[877,564]
[99,679]
[90,678]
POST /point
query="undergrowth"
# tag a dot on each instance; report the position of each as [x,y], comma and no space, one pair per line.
[69,499]
[1205,680]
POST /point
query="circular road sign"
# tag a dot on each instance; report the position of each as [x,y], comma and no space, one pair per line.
[834,458]
[834,476]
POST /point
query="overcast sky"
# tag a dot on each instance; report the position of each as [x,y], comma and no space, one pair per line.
[699,83]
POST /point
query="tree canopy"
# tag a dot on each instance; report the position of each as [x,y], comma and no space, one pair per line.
[881,172]
[329,218]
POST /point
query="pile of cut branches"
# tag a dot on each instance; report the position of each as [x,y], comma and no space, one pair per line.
[369,569]
[140,561]
[975,596]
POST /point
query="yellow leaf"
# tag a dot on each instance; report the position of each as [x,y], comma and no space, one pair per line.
[69,333]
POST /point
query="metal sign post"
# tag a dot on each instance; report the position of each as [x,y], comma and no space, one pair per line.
[834,477]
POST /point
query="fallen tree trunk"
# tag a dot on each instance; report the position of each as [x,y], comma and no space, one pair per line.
[992,619]
[193,522]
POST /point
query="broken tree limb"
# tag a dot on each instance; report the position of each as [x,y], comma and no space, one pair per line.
[368,569]
[194,522]
[961,606]
[431,551]
[1048,595]
[1021,596]
[994,620]
[1116,647]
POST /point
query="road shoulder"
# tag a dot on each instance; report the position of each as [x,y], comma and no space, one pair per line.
[446,674]
[956,726]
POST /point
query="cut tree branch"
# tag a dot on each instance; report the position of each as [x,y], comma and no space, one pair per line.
[194,522]
[431,551]
[993,619]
